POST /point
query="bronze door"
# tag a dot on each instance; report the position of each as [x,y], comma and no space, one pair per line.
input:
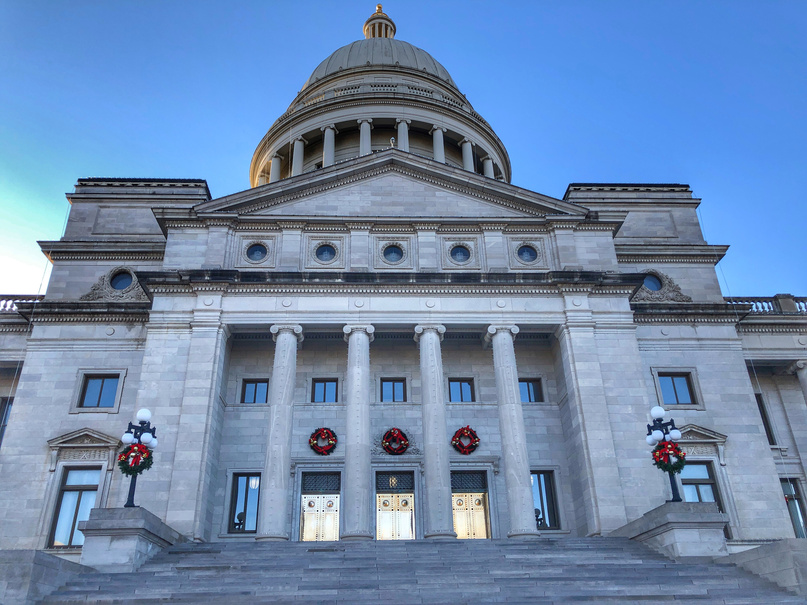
[471,515]
[395,517]
[319,518]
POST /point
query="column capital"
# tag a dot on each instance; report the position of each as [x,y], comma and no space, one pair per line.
[295,329]
[300,138]
[436,127]
[331,127]
[367,120]
[421,328]
[402,120]
[797,366]
[467,140]
[494,328]
[350,328]
[277,156]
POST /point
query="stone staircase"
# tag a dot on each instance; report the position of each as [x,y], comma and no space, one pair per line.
[597,570]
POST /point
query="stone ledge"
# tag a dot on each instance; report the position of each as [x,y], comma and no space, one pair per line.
[27,576]
[783,562]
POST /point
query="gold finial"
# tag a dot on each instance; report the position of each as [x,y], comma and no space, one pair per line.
[379,25]
[378,8]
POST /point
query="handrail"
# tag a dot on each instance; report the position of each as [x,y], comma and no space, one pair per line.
[781,304]
[8,302]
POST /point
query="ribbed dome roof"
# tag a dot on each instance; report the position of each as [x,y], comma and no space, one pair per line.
[378,52]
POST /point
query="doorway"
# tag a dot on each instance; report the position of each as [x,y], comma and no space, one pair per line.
[319,515]
[395,506]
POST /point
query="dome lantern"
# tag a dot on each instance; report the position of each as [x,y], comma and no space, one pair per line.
[379,25]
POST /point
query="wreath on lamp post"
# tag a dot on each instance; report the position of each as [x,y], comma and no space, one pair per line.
[323,434]
[134,459]
[395,442]
[668,457]
[465,440]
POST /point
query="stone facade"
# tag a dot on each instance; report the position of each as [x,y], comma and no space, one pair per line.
[435,269]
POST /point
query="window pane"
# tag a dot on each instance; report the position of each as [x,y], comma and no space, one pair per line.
[92,392]
[108,392]
[261,392]
[241,492]
[85,504]
[524,389]
[466,391]
[319,392]
[691,493]
[61,536]
[249,392]
[694,470]
[682,389]
[83,476]
[787,488]
[399,390]
[330,391]
[251,523]
[454,391]
[386,391]
[706,492]
[667,391]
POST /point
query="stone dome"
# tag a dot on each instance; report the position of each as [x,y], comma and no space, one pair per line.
[374,52]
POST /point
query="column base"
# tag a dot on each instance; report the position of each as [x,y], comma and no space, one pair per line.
[272,538]
[441,535]
[523,534]
[356,535]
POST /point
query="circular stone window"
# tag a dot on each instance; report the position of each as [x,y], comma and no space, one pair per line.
[460,254]
[121,280]
[527,254]
[653,283]
[325,253]
[257,252]
[393,253]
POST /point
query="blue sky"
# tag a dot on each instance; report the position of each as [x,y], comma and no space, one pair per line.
[713,94]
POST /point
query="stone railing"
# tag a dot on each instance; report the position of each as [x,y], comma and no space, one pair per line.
[781,304]
[8,302]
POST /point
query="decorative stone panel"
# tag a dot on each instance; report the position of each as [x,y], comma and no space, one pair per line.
[314,241]
[404,242]
[669,292]
[103,290]
[84,445]
[243,243]
[472,242]
[541,262]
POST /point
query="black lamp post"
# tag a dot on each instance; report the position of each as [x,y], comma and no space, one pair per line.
[664,431]
[143,433]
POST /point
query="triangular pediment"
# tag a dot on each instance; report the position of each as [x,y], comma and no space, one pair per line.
[391,184]
[692,433]
[84,438]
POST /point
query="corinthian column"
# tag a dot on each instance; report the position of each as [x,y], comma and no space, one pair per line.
[438,143]
[273,515]
[356,512]
[515,462]
[438,515]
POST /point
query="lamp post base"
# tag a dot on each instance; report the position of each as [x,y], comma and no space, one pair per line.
[130,500]
[676,497]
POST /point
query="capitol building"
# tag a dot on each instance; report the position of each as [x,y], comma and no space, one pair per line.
[384,338]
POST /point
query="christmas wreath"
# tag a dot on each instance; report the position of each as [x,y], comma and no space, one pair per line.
[326,435]
[468,434]
[395,442]
[134,459]
[668,457]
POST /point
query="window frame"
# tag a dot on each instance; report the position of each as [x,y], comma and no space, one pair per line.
[254,381]
[798,497]
[233,495]
[85,374]
[316,381]
[61,490]
[6,403]
[692,380]
[766,419]
[470,381]
[539,391]
[381,383]
[551,499]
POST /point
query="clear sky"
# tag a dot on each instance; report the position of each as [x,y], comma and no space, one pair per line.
[713,94]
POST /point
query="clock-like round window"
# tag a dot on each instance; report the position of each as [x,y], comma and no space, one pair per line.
[121,280]
[460,254]
[527,254]
[393,253]
[325,253]
[257,252]
[653,283]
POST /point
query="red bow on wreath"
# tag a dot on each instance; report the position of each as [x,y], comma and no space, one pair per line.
[323,434]
[468,433]
[668,457]
[135,459]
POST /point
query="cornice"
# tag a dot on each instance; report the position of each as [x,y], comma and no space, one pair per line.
[682,313]
[104,250]
[669,253]
[84,311]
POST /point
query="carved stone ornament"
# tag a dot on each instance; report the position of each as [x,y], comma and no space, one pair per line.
[378,450]
[669,292]
[699,441]
[83,444]
[103,289]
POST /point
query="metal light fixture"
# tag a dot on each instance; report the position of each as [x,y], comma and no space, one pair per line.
[663,431]
[143,433]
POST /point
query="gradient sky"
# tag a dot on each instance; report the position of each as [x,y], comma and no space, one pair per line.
[713,94]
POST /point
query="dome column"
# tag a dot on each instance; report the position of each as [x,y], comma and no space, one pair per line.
[297,157]
[365,144]
[403,133]
[438,144]
[274,169]
[329,133]
[467,154]
[487,166]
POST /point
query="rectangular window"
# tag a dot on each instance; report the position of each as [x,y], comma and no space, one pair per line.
[543,498]
[461,389]
[699,483]
[766,422]
[795,506]
[244,503]
[255,391]
[676,389]
[323,390]
[99,391]
[5,412]
[530,390]
[76,497]
[393,389]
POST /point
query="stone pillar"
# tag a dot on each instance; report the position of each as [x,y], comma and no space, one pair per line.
[800,369]
[273,514]
[438,513]
[515,461]
[365,143]
[329,133]
[487,166]
[297,156]
[437,142]
[467,155]
[403,133]
[356,509]
[274,170]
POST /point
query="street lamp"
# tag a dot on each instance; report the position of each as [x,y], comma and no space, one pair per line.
[143,433]
[664,431]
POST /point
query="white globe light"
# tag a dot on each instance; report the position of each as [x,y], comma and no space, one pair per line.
[657,435]
[146,438]
[143,415]
[651,441]
[153,443]
[675,434]
[657,412]
[127,438]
